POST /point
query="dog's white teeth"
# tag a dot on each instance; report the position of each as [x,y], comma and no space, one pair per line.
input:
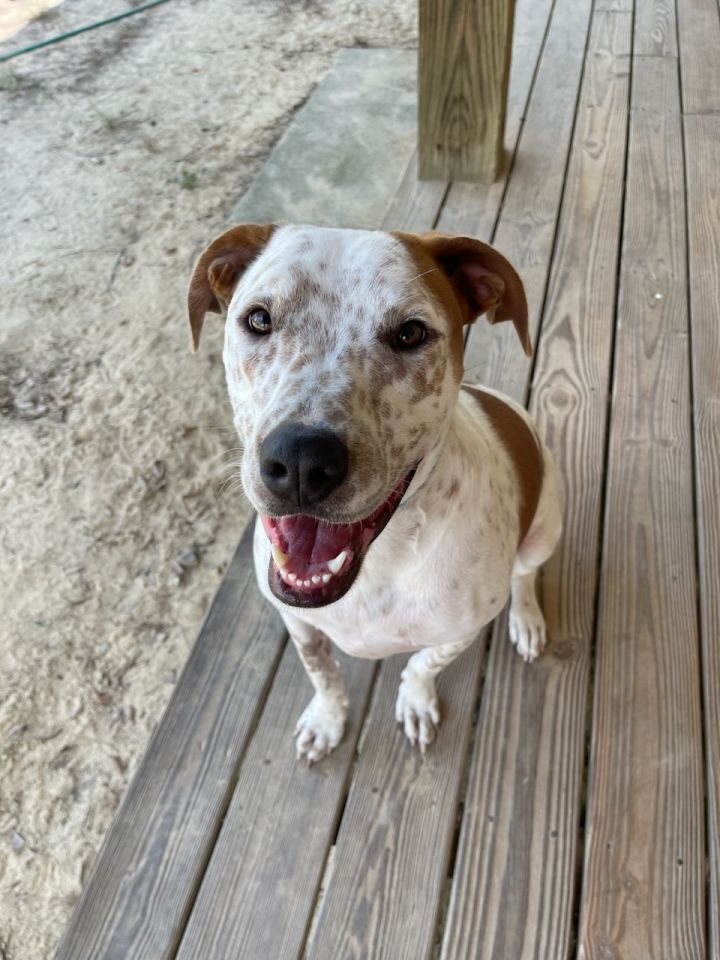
[326,577]
[279,557]
[292,577]
[307,583]
[316,578]
[335,566]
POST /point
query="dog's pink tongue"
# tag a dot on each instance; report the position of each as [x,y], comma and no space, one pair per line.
[311,540]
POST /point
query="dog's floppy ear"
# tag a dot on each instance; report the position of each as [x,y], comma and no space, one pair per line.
[483,281]
[218,270]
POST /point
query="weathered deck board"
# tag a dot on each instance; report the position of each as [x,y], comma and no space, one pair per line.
[383,895]
[513,885]
[416,203]
[644,890]
[472,208]
[260,885]
[702,152]
[699,36]
[148,870]
[526,230]
[655,29]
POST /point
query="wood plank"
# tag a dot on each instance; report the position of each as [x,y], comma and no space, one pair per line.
[702,152]
[527,225]
[472,208]
[655,29]
[643,885]
[150,865]
[615,6]
[269,857]
[385,889]
[513,885]
[391,911]
[699,39]
[463,70]
[415,204]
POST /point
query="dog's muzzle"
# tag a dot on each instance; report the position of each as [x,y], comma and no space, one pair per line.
[314,562]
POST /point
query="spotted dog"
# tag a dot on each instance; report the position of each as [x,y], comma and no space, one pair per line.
[397,507]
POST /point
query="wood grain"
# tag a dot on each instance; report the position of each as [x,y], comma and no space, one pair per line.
[699,40]
[146,875]
[472,208]
[463,70]
[384,893]
[526,229]
[512,893]
[416,203]
[260,886]
[614,6]
[655,29]
[643,885]
[702,152]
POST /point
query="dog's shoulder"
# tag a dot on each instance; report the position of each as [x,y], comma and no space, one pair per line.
[513,427]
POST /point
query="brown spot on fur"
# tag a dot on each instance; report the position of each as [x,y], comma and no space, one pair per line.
[523,446]
[316,653]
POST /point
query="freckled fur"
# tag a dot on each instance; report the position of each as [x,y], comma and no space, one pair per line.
[445,563]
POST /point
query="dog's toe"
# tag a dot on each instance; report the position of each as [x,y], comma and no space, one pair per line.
[417,709]
[527,633]
[320,728]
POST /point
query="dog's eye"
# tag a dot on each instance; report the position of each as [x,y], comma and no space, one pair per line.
[411,334]
[258,320]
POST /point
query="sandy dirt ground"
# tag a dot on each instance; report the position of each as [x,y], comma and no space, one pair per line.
[122,152]
[14,14]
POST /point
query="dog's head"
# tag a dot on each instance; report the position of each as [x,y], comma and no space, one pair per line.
[343,356]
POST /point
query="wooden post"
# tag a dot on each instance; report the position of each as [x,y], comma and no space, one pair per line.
[463,71]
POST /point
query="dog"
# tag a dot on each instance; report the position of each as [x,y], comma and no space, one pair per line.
[397,507]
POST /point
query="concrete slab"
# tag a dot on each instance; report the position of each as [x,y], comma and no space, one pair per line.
[341,158]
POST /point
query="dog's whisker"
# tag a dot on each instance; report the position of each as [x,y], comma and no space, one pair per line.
[424,274]
[224,454]
[231,465]
[224,494]
[234,480]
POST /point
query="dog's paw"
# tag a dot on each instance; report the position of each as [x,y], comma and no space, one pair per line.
[417,708]
[527,631]
[320,728]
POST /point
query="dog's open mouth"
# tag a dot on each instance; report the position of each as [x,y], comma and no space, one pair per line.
[315,562]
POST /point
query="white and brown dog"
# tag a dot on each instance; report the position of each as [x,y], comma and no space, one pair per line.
[397,507]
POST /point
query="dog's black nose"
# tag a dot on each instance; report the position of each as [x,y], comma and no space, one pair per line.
[302,465]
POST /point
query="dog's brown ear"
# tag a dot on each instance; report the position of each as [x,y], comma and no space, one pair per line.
[483,281]
[218,270]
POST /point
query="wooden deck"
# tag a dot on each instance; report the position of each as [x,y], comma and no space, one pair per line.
[572,807]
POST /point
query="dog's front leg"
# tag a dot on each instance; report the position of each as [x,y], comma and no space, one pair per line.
[417,707]
[322,724]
